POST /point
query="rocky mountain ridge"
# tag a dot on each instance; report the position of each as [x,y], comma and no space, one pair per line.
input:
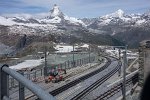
[117,25]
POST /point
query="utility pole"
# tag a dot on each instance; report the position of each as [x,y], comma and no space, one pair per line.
[45,56]
[125,63]
[89,54]
[119,71]
[73,57]
[124,72]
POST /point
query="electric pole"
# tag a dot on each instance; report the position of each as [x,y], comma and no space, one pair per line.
[119,72]
[124,72]
[73,57]
[89,54]
[45,56]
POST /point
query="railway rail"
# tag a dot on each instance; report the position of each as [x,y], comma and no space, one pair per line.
[76,81]
[96,84]
[108,94]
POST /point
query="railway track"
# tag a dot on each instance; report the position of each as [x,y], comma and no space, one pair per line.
[76,81]
[108,94]
[86,91]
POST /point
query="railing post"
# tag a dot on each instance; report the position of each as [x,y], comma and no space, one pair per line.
[21,88]
[4,83]
[0,82]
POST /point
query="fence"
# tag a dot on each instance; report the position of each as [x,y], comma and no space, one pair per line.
[30,75]
[70,64]
[37,75]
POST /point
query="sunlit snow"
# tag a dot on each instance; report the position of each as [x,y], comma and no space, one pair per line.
[27,64]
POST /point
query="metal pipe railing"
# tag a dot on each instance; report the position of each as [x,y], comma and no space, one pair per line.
[5,98]
[41,94]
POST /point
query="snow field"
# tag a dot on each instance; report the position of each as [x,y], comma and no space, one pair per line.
[27,64]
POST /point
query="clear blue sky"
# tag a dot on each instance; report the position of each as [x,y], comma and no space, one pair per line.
[74,8]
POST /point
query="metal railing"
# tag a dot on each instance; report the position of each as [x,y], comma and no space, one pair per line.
[5,71]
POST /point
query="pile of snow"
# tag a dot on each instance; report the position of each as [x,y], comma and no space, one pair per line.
[69,48]
[85,46]
[27,64]
[115,53]
[64,48]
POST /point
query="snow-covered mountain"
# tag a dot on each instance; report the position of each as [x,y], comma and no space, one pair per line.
[119,18]
[58,24]
[56,12]
[117,22]
[55,17]
[57,20]
[129,28]
[55,23]
[119,13]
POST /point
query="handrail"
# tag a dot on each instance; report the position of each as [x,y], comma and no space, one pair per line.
[5,98]
[27,83]
[115,89]
[121,79]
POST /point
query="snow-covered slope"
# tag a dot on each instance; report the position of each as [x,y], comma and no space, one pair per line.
[56,12]
[27,64]
[56,16]
[5,21]
[54,22]
[119,13]
[119,18]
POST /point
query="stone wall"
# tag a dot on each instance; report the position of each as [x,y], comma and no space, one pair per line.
[144,61]
[141,66]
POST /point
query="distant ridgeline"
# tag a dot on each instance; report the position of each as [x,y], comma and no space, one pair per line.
[117,28]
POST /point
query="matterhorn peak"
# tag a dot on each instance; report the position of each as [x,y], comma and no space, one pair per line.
[119,13]
[56,12]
